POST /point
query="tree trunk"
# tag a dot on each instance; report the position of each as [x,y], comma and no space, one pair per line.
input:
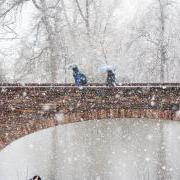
[163,50]
[52,44]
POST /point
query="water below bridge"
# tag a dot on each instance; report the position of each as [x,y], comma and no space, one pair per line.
[116,149]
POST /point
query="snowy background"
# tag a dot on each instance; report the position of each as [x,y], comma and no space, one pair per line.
[38,39]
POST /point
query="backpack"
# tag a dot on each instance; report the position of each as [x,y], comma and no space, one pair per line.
[83,79]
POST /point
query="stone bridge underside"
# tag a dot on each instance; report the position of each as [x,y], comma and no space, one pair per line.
[25,109]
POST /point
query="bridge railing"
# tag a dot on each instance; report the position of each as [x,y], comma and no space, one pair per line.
[91,84]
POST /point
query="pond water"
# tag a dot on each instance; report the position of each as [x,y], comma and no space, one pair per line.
[116,149]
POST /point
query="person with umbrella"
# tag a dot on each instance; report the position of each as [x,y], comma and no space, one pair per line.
[111,79]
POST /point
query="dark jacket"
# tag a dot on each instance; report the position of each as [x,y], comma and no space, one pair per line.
[111,79]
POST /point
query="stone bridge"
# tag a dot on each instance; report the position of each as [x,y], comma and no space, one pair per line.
[27,108]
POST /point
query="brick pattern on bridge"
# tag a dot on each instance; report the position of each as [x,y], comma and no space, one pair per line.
[26,109]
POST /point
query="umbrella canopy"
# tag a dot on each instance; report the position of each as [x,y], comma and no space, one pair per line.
[106,68]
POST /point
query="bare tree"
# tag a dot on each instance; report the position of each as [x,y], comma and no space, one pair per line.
[97,18]
[2,74]
[64,32]
[153,36]
[50,24]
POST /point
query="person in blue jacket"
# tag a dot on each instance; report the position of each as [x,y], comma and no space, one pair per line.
[80,78]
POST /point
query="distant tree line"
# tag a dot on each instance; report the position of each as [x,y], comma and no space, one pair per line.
[86,32]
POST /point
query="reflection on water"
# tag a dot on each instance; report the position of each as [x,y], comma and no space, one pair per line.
[119,149]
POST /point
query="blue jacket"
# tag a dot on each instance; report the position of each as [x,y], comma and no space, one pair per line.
[80,79]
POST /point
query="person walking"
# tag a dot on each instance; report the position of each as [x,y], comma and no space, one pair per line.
[111,79]
[80,78]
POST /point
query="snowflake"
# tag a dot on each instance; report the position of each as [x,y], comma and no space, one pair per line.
[59,117]
[178,113]
[129,138]
[163,167]
[149,137]
[117,96]
[98,178]
[124,165]
[46,107]
[12,108]
[3,90]
[153,98]
[80,87]
[134,163]
[24,94]
[147,159]
[170,169]
[153,103]
[69,160]
[113,152]
[31,146]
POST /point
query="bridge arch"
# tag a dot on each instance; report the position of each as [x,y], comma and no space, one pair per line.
[25,109]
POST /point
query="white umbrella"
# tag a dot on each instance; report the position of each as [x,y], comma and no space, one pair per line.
[106,68]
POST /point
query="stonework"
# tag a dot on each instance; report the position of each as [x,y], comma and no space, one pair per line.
[29,108]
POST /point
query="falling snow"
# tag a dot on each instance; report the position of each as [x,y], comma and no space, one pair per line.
[89,90]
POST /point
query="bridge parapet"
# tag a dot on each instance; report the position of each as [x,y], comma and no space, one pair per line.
[28,108]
